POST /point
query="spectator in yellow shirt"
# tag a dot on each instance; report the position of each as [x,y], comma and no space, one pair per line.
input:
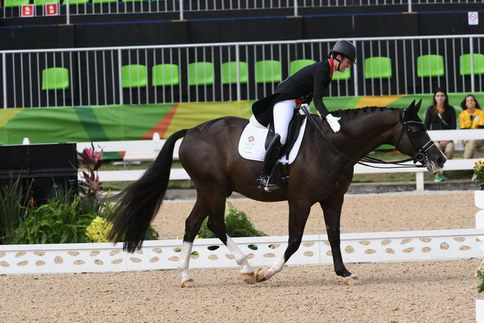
[472,117]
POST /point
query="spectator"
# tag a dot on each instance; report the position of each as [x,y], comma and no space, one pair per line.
[441,116]
[471,117]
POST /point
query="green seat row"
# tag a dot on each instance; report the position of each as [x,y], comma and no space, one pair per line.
[433,65]
[427,66]
[267,71]
[200,73]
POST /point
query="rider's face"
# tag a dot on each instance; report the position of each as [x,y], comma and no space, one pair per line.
[344,64]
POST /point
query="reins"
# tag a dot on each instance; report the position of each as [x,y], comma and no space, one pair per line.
[367,159]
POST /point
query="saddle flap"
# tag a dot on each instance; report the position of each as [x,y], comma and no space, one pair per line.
[252,143]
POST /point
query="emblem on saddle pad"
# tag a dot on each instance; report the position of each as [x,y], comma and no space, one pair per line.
[252,142]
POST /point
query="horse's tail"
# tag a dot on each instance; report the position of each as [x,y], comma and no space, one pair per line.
[140,201]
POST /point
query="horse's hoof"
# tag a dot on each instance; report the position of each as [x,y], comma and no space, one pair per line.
[187,283]
[248,278]
[261,275]
[351,280]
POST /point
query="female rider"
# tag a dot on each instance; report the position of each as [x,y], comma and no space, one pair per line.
[310,81]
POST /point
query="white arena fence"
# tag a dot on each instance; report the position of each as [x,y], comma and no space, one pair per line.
[178,8]
[147,150]
[233,71]
[377,247]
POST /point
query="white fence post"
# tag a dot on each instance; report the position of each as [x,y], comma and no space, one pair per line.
[409,6]
[419,179]
[120,67]
[4,79]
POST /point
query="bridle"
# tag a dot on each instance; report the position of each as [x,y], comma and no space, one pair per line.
[421,156]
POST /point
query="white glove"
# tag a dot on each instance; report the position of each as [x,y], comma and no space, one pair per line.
[333,122]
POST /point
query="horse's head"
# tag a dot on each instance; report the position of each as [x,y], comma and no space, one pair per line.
[415,141]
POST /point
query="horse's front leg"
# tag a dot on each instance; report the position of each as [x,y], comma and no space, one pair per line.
[332,215]
[298,215]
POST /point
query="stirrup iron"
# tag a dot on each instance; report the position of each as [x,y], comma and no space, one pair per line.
[270,161]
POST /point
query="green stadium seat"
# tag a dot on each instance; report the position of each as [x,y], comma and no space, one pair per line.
[465,64]
[430,65]
[229,73]
[15,3]
[44,2]
[378,67]
[165,75]
[268,71]
[342,76]
[200,73]
[296,65]
[55,78]
[134,76]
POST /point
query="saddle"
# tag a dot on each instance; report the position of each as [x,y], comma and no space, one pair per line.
[255,138]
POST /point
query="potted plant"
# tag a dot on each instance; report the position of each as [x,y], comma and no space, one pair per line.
[478,177]
[480,289]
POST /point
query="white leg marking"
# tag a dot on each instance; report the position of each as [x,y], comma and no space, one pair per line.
[277,267]
[240,258]
[185,260]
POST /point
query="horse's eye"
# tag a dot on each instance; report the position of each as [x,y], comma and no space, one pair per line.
[416,128]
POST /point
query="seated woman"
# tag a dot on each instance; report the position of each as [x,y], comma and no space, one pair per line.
[472,117]
[441,116]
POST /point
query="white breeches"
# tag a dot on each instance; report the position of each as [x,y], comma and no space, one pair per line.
[282,114]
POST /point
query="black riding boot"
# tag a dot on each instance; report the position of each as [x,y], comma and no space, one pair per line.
[270,160]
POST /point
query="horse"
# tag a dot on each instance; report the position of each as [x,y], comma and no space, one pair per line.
[321,173]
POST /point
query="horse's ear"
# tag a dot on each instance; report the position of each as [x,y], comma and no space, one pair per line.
[411,106]
[417,107]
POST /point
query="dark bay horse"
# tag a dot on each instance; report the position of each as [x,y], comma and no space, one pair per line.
[320,174]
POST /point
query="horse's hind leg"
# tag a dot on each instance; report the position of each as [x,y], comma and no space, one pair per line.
[298,215]
[216,223]
[332,215]
[192,226]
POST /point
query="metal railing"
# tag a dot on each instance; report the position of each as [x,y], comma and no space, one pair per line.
[180,7]
[166,73]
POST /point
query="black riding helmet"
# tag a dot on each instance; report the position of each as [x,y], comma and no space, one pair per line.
[344,48]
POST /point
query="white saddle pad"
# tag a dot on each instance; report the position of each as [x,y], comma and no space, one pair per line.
[252,141]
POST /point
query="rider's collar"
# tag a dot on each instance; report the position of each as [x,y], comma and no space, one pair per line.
[331,66]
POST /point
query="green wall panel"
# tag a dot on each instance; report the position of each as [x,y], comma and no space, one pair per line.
[49,125]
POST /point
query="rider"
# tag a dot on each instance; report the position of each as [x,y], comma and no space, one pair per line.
[309,82]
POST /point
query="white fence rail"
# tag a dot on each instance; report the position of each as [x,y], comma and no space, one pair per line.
[233,71]
[148,150]
[315,250]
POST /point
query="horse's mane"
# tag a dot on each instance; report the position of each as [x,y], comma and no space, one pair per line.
[361,110]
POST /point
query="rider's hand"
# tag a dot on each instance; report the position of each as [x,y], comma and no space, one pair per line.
[333,122]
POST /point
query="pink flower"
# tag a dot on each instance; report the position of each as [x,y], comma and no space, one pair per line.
[92,155]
